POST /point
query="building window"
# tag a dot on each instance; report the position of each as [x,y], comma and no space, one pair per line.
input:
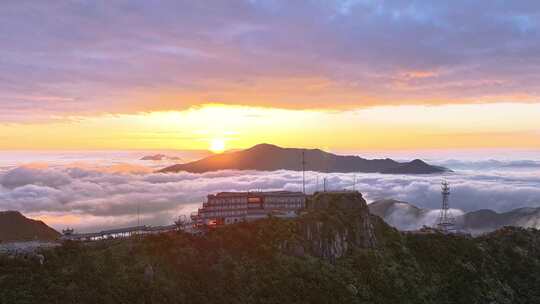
[254,200]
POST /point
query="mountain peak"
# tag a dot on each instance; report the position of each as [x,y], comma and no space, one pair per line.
[14,226]
[263,146]
[269,157]
[416,166]
[11,213]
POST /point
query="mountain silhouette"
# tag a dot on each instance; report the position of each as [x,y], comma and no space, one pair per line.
[159,157]
[406,216]
[489,220]
[16,227]
[267,157]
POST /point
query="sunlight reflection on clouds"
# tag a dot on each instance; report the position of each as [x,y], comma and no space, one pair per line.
[91,199]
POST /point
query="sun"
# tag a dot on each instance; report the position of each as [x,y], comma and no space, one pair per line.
[217,145]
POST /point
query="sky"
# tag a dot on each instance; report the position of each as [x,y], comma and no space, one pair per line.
[338,75]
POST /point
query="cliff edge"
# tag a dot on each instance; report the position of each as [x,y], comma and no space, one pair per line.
[336,222]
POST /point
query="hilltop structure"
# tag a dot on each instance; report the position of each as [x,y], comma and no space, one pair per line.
[233,207]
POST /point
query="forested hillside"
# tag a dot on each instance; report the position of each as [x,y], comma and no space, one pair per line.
[272,261]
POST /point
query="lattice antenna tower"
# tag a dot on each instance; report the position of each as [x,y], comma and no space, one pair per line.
[446,221]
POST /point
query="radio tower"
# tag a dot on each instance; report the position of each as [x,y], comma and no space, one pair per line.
[446,220]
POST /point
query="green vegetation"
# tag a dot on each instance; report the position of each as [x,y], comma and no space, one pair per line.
[249,263]
[335,253]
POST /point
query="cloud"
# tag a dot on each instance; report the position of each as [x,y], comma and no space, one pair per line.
[92,57]
[23,176]
[90,199]
[404,217]
[100,196]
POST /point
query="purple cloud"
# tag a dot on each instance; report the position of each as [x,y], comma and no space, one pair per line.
[91,57]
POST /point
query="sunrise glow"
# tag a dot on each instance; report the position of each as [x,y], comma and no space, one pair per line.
[269,77]
[217,145]
[219,127]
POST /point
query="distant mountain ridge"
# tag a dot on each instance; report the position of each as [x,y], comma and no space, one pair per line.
[267,157]
[489,220]
[159,157]
[16,227]
[406,216]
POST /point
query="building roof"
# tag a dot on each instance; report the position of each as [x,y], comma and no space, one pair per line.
[257,193]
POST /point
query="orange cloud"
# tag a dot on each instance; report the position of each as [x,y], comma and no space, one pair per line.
[36,165]
[418,74]
[57,219]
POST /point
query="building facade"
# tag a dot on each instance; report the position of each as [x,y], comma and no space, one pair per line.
[232,207]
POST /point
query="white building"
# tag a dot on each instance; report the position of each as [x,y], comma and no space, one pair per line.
[232,207]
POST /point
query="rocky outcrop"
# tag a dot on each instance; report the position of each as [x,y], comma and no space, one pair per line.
[336,222]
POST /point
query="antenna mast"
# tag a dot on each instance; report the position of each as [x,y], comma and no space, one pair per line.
[446,220]
[138,219]
[303,171]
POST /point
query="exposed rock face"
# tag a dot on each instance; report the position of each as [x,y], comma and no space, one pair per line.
[336,222]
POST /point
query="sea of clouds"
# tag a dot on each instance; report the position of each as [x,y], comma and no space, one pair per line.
[92,198]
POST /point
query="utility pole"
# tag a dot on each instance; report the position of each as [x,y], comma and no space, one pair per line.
[138,221]
[138,215]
